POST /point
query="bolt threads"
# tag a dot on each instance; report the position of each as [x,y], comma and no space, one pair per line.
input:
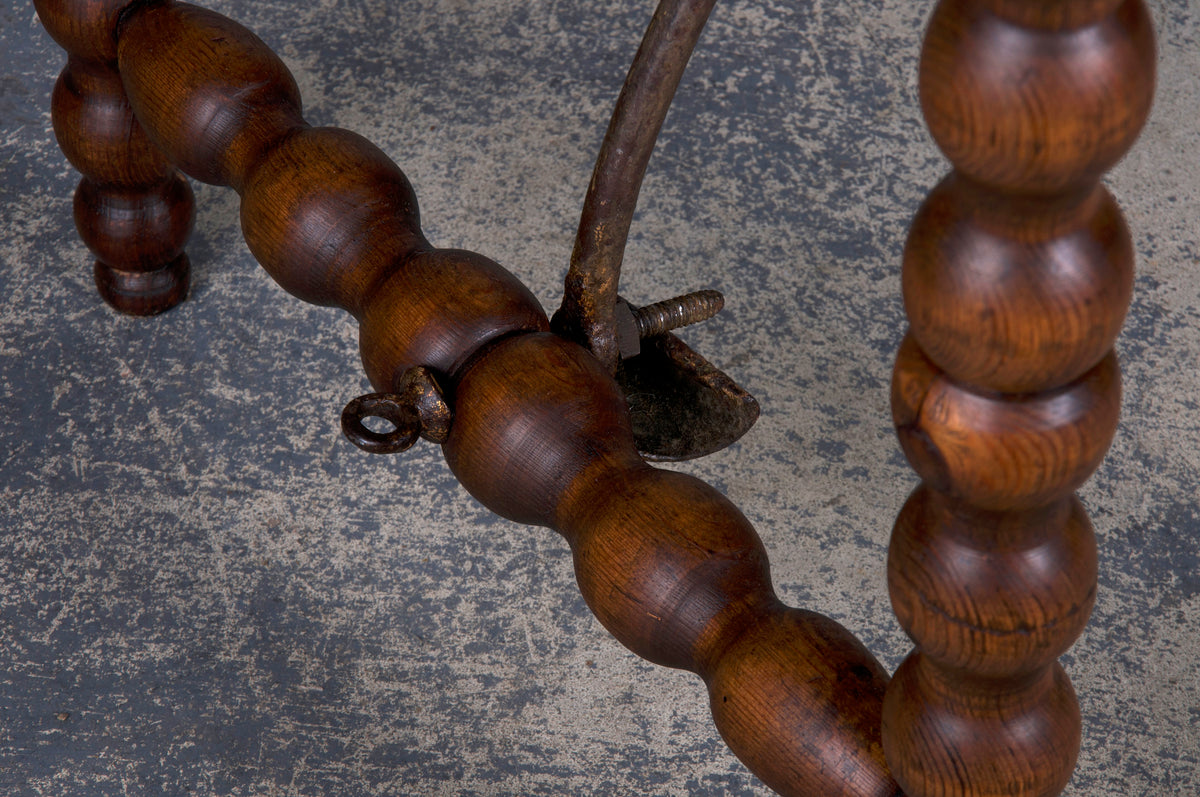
[692,308]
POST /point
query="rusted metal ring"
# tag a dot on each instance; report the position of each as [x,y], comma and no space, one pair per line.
[390,408]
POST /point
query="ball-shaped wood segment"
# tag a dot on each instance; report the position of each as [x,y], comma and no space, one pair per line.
[209,92]
[84,28]
[987,738]
[1003,607]
[797,698]
[668,565]
[135,229]
[533,415]
[96,129]
[1016,310]
[1034,110]
[436,309]
[1001,452]
[146,292]
[1053,15]
[326,213]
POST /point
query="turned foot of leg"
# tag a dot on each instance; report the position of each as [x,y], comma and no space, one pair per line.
[133,210]
[137,235]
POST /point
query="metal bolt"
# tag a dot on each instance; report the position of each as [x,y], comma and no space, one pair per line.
[691,308]
[637,323]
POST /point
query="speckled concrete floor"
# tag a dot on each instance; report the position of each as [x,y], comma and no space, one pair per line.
[205,590]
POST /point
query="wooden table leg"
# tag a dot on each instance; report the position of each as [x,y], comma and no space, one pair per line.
[541,432]
[1017,276]
[133,209]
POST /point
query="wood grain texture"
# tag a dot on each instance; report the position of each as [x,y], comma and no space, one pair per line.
[211,94]
[137,228]
[999,594]
[1022,737]
[670,567]
[800,678]
[1036,110]
[96,130]
[438,310]
[1002,452]
[1017,275]
[85,28]
[1012,301]
[541,432]
[329,196]
[132,209]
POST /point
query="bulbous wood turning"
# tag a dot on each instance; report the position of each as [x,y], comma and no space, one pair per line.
[132,208]
[355,213]
[996,594]
[1002,452]
[1033,109]
[1022,738]
[670,567]
[1011,294]
[1017,276]
[210,93]
[541,431]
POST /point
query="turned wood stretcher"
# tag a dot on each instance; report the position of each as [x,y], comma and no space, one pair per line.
[1016,278]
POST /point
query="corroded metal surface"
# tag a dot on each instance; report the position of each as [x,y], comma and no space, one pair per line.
[715,409]
[682,406]
[590,296]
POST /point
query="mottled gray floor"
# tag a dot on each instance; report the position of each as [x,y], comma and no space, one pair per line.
[205,590]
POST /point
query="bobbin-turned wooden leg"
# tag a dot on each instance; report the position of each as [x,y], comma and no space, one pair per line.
[133,210]
[541,432]
[1017,276]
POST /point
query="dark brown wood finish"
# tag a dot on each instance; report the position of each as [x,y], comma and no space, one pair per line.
[670,567]
[541,432]
[132,208]
[1017,276]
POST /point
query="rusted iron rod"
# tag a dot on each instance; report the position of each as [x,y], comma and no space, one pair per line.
[587,313]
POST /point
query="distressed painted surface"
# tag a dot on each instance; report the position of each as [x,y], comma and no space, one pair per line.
[204,590]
